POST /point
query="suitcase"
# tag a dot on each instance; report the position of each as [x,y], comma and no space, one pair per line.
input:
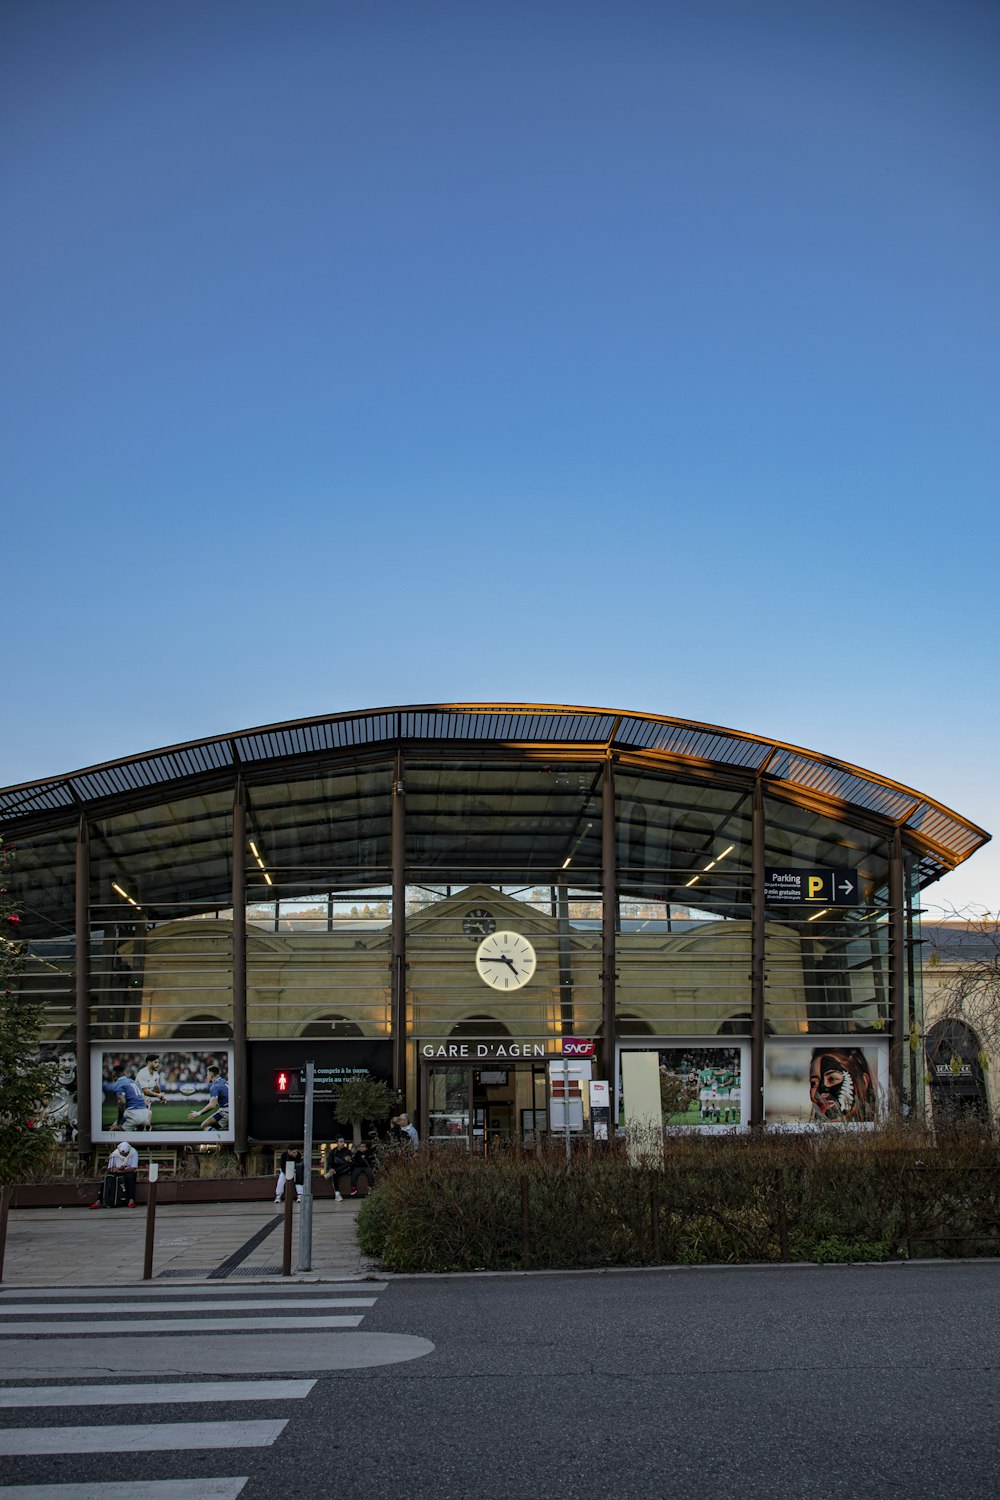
[114,1193]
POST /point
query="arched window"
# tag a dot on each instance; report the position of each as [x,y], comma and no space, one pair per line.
[202,1027]
[476,1027]
[332,1028]
[958,1086]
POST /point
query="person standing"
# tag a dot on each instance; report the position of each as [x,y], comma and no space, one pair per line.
[290,1154]
[123,1162]
[148,1080]
[408,1132]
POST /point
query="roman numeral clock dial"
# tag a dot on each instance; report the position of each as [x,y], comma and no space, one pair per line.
[505,960]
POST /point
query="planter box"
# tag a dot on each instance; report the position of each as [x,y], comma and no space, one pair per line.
[81,1194]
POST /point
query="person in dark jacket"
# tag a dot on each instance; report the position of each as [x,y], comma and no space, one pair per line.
[340,1160]
[362,1166]
[290,1154]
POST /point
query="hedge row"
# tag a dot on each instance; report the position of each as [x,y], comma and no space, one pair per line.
[883,1195]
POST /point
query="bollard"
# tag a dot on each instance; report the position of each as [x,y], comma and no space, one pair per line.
[147,1265]
[5,1197]
[286,1259]
[654,1213]
[525,1223]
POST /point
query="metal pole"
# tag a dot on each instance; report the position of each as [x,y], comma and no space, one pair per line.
[240,1070]
[5,1197]
[569,1144]
[609,924]
[82,952]
[897,965]
[147,1265]
[286,1255]
[757,942]
[398,977]
[306,1218]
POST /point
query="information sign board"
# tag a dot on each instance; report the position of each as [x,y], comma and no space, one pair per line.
[810,887]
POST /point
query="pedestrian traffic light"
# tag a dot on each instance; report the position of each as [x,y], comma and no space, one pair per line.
[287,1083]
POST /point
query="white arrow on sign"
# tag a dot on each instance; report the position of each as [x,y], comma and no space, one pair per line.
[847,886]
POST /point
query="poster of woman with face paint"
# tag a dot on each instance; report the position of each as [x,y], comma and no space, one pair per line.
[828,1083]
[841,1086]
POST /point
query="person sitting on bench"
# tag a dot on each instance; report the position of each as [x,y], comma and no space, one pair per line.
[123,1162]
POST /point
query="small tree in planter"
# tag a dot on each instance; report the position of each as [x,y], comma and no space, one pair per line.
[26,1140]
[362,1099]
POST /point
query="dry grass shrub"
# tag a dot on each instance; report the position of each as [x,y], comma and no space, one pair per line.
[828,1196]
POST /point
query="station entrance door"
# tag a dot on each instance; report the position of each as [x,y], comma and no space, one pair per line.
[483,1107]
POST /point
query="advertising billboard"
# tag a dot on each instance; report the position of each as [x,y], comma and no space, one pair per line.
[178,1093]
[701,1087]
[837,1081]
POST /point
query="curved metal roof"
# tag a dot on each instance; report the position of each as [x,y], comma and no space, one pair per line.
[947,836]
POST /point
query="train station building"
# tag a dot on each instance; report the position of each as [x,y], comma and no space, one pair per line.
[442,895]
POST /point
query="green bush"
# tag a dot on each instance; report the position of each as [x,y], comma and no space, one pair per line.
[832,1197]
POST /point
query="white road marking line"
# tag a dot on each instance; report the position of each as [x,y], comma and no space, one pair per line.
[177,1325]
[21,1396]
[32,1310]
[141,1489]
[155,1437]
[137,1294]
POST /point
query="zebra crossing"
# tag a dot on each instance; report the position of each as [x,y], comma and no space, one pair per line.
[48,1337]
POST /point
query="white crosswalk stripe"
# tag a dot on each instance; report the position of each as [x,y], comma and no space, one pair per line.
[178,1325]
[32,1309]
[142,1489]
[157,1437]
[17,1397]
[251,1311]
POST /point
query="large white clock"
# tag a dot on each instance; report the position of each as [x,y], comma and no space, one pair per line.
[505,960]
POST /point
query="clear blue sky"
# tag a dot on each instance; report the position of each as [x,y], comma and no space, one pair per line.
[619,352]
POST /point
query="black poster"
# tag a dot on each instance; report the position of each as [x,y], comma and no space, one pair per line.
[278,1079]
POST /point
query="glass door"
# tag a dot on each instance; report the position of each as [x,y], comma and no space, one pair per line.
[448,1097]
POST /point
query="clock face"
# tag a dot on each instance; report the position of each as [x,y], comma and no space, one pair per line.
[505,960]
[479,923]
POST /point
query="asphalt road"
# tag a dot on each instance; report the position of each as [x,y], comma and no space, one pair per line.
[846,1383]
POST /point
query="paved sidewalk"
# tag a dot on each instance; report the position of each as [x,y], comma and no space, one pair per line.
[77,1247]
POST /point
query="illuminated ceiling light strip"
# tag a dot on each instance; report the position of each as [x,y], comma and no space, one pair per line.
[125,896]
[710,866]
[566,862]
[817,914]
[263,868]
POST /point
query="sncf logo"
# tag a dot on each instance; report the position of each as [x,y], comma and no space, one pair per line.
[577,1046]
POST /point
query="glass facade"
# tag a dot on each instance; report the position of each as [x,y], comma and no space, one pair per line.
[372,884]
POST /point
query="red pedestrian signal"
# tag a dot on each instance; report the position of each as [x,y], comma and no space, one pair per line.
[281,1083]
[288,1083]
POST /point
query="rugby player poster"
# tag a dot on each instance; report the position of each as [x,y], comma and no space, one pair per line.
[178,1092]
[701,1087]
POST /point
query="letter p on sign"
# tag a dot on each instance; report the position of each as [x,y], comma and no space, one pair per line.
[815,888]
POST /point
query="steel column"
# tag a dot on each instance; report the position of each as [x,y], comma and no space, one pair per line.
[897,965]
[757,938]
[239,1083]
[82,953]
[609,925]
[399,927]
